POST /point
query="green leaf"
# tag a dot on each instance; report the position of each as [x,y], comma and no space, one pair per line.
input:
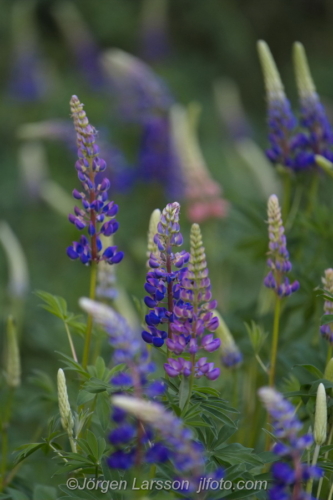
[42,492]
[27,449]
[326,318]
[184,392]
[84,397]
[311,369]
[219,415]
[53,304]
[73,365]
[235,453]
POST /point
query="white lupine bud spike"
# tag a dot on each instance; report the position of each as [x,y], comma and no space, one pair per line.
[273,83]
[64,406]
[18,268]
[305,84]
[154,220]
[231,355]
[143,410]
[328,375]
[13,362]
[320,424]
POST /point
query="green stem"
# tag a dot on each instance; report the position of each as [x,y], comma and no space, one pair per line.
[329,353]
[86,350]
[314,461]
[326,456]
[275,341]
[4,436]
[71,343]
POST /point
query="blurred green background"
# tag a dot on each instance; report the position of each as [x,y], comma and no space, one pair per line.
[207,41]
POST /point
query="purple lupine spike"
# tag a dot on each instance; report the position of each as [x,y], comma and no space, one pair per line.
[278,260]
[162,281]
[139,91]
[156,149]
[186,454]
[318,137]
[288,479]
[98,212]
[327,329]
[286,142]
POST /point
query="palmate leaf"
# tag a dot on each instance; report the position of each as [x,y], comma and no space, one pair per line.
[26,450]
[235,453]
[55,305]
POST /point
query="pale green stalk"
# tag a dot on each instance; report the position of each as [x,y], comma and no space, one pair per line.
[86,350]
[275,341]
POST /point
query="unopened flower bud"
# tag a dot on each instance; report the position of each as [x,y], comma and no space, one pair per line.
[320,424]
[13,368]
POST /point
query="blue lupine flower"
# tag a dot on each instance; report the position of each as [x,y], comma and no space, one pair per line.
[129,350]
[139,92]
[278,260]
[289,477]
[157,160]
[82,44]
[162,281]
[318,137]
[97,212]
[186,454]
[286,142]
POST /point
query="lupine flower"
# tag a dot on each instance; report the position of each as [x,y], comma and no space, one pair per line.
[289,474]
[28,79]
[327,330]
[286,144]
[231,111]
[185,453]
[13,361]
[65,411]
[18,271]
[152,230]
[163,282]
[139,92]
[97,213]
[320,423]
[231,356]
[117,169]
[319,133]
[157,160]
[202,194]
[192,316]
[128,438]
[154,36]
[278,260]
[81,43]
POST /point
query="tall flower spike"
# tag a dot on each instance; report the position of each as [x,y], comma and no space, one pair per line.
[327,330]
[65,411]
[202,194]
[127,439]
[97,213]
[287,478]
[13,362]
[285,144]
[320,423]
[186,454]
[192,315]
[163,281]
[278,260]
[151,246]
[231,356]
[319,136]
